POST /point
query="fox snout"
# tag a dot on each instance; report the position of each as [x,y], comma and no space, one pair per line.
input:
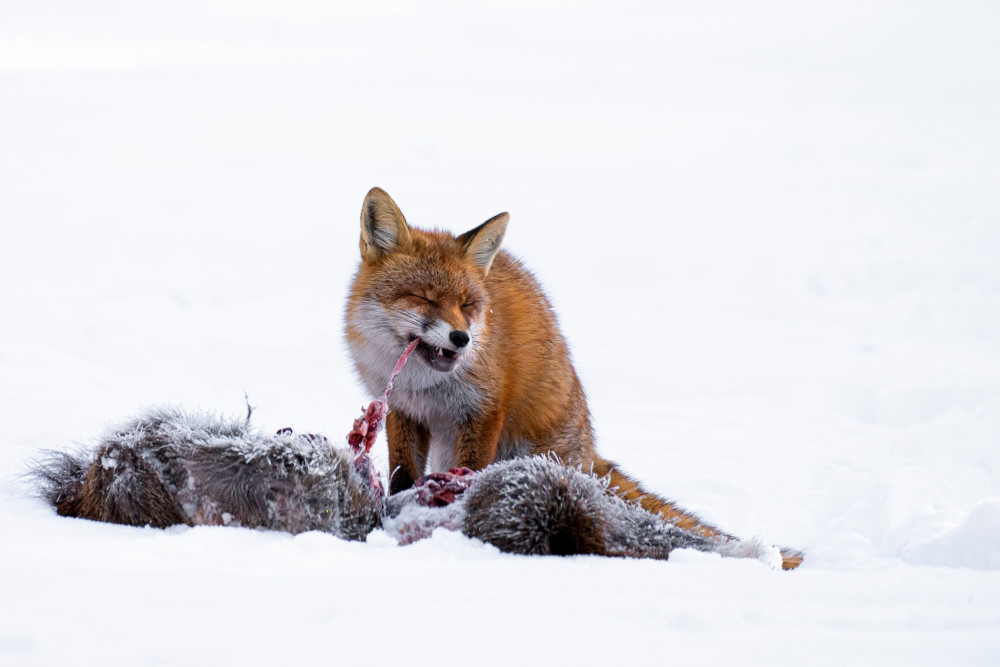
[442,347]
[459,339]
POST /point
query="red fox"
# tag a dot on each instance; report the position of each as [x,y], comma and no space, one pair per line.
[495,380]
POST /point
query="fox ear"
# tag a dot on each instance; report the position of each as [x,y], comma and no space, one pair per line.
[383,227]
[482,243]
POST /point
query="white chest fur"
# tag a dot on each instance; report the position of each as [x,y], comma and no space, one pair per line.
[437,400]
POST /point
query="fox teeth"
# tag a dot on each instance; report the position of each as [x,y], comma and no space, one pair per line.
[439,351]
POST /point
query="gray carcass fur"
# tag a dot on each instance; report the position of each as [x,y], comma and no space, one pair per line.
[170,467]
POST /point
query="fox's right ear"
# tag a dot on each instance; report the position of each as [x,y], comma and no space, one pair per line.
[383,227]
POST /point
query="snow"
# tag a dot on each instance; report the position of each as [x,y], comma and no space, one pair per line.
[771,234]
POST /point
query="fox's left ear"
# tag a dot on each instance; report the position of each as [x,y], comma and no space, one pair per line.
[483,243]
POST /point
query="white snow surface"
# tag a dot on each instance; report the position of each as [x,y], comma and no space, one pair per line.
[771,232]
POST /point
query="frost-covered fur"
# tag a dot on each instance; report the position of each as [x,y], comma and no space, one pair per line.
[538,506]
[169,467]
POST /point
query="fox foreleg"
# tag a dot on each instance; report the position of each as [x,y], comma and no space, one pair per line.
[478,439]
[408,444]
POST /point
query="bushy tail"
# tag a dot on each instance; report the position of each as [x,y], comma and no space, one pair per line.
[629,490]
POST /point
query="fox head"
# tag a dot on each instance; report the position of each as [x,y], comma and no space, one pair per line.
[414,283]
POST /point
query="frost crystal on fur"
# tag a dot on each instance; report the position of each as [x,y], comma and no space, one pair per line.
[538,506]
[754,547]
[407,521]
[172,467]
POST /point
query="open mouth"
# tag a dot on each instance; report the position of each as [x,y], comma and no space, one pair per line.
[438,358]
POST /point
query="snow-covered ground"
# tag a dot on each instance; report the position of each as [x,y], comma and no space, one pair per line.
[771,230]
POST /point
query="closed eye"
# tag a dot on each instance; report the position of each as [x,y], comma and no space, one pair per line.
[424,299]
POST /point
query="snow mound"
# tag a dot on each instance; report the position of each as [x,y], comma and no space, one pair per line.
[975,543]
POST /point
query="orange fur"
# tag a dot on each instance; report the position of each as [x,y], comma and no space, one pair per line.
[510,391]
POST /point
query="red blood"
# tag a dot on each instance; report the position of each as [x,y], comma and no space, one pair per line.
[441,488]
